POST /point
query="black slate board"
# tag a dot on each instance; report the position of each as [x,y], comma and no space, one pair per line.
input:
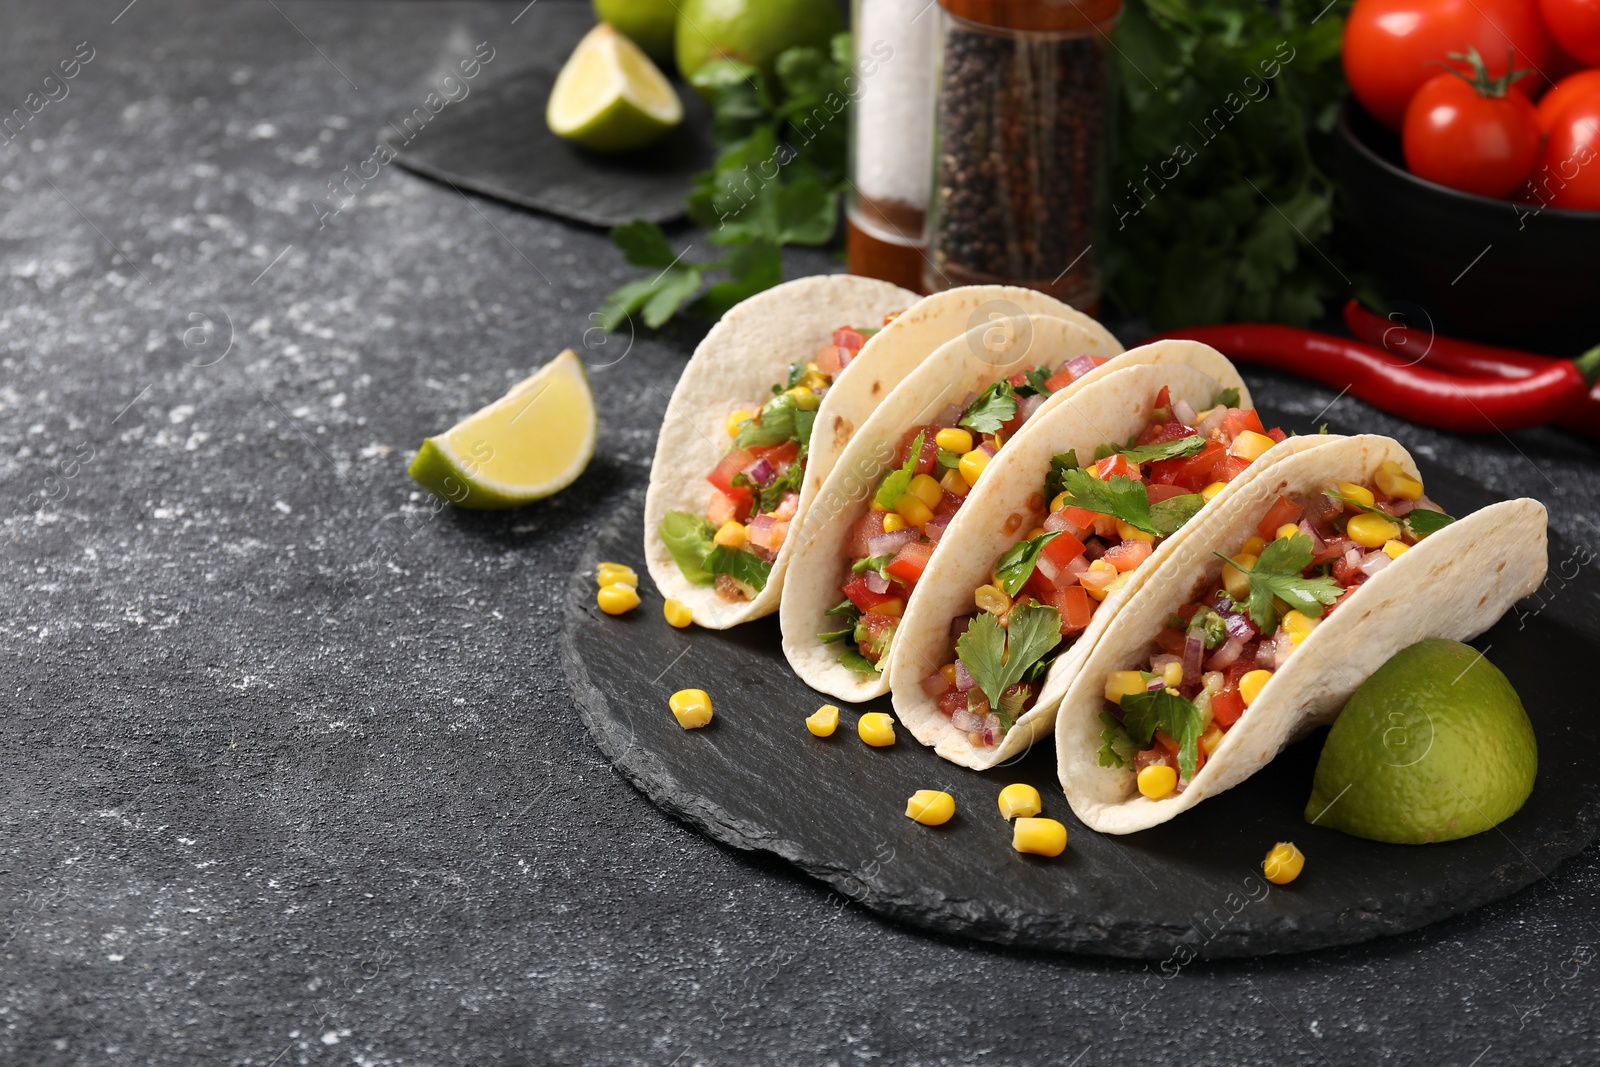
[496,143]
[756,779]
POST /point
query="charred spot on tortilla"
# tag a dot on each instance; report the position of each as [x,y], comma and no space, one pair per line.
[1500,568]
[842,431]
[877,387]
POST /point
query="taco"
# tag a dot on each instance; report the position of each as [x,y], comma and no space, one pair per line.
[770,398]
[1073,516]
[1272,611]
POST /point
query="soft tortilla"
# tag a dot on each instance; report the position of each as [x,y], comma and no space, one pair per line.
[1454,584]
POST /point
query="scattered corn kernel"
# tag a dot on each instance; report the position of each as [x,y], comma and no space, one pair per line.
[892,608]
[732,534]
[1254,545]
[1211,739]
[1172,674]
[1059,502]
[991,598]
[1395,482]
[692,707]
[1250,445]
[1395,549]
[1120,684]
[616,574]
[618,599]
[823,721]
[1283,864]
[1133,533]
[1371,531]
[876,729]
[1288,529]
[737,419]
[1359,493]
[913,510]
[1041,837]
[1157,780]
[930,807]
[893,522]
[1213,489]
[925,487]
[949,672]
[972,465]
[954,484]
[1019,799]
[1252,683]
[954,439]
[1236,581]
[677,613]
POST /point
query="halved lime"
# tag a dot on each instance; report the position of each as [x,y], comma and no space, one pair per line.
[532,442]
[609,97]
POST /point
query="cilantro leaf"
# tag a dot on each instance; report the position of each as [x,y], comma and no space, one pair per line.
[774,425]
[1010,707]
[1060,464]
[643,244]
[1170,514]
[804,422]
[1228,398]
[895,485]
[1120,497]
[857,662]
[1016,564]
[831,636]
[845,607]
[1277,575]
[1116,749]
[1423,522]
[1165,710]
[1035,383]
[688,539]
[872,563]
[998,657]
[1183,446]
[746,568]
[947,459]
[991,409]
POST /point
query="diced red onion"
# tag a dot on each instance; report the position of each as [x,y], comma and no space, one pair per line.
[759,472]
[1156,684]
[1285,646]
[1028,405]
[964,679]
[935,529]
[1048,570]
[1224,657]
[1212,422]
[1352,556]
[936,685]
[1080,366]
[1070,573]
[877,582]
[988,449]
[1317,543]
[1400,508]
[1423,502]
[887,544]
[965,721]
[950,416]
[1194,653]
[1184,413]
[1238,625]
[1374,562]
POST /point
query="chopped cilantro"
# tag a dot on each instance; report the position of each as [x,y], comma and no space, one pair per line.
[746,568]
[1165,710]
[998,657]
[1277,574]
[1228,398]
[1059,465]
[1104,452]
[948,459]
[873,563]
[1423,522]
[1210,624]
[1010,706]
[1116,750]
[1183,446]
[1170,514]
[774,425]
[804,421]
[993,408]
[1127,499]
[1035,384]
[1017,563]
[895,485]
[688,538]
[857,662]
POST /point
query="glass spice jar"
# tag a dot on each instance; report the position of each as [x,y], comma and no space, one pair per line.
[1020,141]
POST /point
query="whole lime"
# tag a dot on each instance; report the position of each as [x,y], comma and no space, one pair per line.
[1433,747]
[752,31]
[647,23]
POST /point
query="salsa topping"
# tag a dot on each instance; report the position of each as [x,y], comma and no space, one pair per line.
[1217,653]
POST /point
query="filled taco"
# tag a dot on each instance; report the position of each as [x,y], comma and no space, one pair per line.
[1274,609]
[1081,509]
[760,415]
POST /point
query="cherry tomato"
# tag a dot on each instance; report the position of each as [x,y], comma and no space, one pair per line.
[1575,25]
[1569,171]
[1584,85]
[1457,136]
[1391,46]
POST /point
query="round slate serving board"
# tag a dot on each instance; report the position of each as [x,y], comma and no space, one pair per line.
[1192,888]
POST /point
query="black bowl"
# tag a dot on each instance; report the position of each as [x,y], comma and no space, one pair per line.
[1486,270]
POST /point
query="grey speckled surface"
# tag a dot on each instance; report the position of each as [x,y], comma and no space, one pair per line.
[290,774]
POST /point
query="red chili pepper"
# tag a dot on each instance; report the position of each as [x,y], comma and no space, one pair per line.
[1421,394]
[1466,358]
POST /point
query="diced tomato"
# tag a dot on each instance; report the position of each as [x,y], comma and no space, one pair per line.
[1074,605]
[930,450]
[1191,473]
[1163,398]
[862,597]
[788,506]
[1241,666]
[1239,420]
[1346,573]
[953,701]
[768,532]
[1229,468]
[1277,435]
[722,474]
[909,563]
[1165,743]
[1128,555]
[1333,547]
[1062,549]
[830,359]
[867,527]
[1082,518]
[1161,432]
[873,633]
[1226,707]
[779,455]
[1342,598]
[727,507]
[1282,512]
[1170,641]
[849,338]
[1158,493]
[1060,380]
[1114,465]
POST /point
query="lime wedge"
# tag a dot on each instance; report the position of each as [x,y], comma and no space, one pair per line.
[610,97]
[532,442]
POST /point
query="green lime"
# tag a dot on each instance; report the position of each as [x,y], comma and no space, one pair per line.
[609,97]
[751,31]
[1434,746]
[648,23]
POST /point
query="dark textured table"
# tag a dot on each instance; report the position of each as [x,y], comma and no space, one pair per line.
[291,774]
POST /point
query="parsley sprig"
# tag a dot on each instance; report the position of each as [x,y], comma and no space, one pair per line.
[991,409]
[998,657]
[1277,575]
[1127,499]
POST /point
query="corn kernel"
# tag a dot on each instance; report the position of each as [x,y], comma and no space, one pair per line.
[804,398]
[1253,545]
[1283,864]
[1099,567]
[1359,493]
[893,522]
[823,721]
[692,707]
[949,672]
[1059,502]
[892,608]
[1120,684]
[1252,683]
[1298,622]
[991,598]
[913,510]
[1371,531]
[930,807]
[1157,780]
[1037,531]
[1172,674]
[616,574]
[972,465]
[876,729]
[1213,489]
[1236,581]
[1019,799]
[875,506]
[1395,549]
[1250,446]
[677,613]
[1041,837]
[925,487]
[1133,533]
[732,534]
[1395,482]
[1211,739]
[736,421]
[954,440]
[954,484]
[618,599]
[1288,529]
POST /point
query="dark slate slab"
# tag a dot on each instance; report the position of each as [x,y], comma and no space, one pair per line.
[757,779]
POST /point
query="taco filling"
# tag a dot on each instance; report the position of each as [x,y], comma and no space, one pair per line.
[1106,518]
[756,485]
[1216,653]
